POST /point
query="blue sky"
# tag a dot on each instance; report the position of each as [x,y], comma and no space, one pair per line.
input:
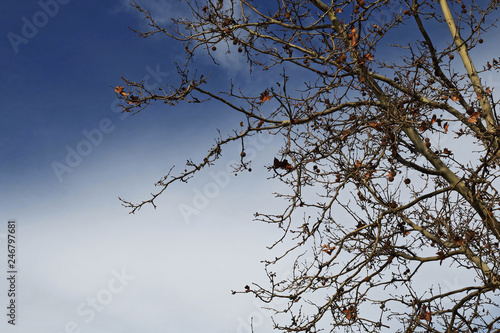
[157,270]
[74,238]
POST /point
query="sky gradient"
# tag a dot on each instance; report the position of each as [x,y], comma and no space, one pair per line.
[67,154]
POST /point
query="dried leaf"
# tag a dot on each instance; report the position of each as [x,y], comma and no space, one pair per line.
[354,36]
[423,126]
[350,313]
[377,126]
[459,133]
[264,97]
[133,100]
[445,127]
[425,314]
[473,118]
[441,256]
[328,249]
[458,241]
[277,164]
[434,119]
[119,90]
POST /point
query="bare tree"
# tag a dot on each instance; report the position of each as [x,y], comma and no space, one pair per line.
[401,137]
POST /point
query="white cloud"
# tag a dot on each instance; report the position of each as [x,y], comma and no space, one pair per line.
[162,11]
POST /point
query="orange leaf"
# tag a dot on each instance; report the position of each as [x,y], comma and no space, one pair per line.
[423,126]
[488,90]
[377,126]
[354,36]
[350,313]
[264,97]
[473,118]
[119,90]
[445,127]
[441,256]
[425,314]
[454,98]
[358,164]
[328,249]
